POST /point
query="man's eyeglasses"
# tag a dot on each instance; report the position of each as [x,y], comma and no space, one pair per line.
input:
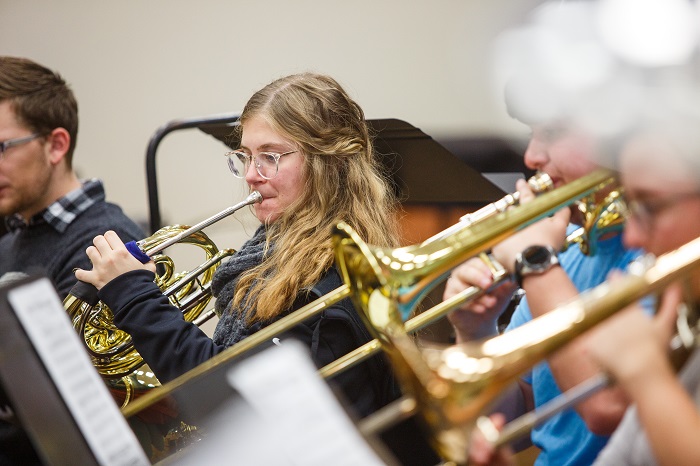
[4,145]
[646,211]
[266,163]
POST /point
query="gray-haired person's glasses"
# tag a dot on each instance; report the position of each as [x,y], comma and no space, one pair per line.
[4,145]
[266,163]
[645,211]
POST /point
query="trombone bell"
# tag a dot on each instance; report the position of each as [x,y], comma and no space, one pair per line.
[453,386]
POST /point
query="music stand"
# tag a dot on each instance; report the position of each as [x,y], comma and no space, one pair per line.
[54,390]
[421,169]
[275,393]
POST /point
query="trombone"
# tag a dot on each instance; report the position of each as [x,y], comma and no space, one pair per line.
[684,341]
[599,219]
[451,387]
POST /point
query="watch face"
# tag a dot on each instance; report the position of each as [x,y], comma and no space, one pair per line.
[537,255]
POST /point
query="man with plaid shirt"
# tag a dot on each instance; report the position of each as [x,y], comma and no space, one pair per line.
[51,216]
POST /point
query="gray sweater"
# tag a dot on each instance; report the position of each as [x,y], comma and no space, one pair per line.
[43,250]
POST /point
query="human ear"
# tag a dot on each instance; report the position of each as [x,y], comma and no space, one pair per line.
[59,143]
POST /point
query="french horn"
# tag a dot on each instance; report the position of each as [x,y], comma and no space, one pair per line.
[111,350]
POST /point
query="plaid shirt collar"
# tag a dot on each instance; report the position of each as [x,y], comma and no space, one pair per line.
[61,213]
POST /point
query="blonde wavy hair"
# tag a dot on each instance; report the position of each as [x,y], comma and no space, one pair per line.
[342,183]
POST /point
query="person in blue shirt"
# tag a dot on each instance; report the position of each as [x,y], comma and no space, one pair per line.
[573,437]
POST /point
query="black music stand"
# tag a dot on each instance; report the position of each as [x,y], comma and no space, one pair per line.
[226,120]
[53,389]
[421,169]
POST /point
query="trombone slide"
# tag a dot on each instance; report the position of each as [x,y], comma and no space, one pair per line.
[681,347]
[471,375]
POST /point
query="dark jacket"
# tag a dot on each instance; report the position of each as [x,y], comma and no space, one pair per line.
[40,249]
[172,346]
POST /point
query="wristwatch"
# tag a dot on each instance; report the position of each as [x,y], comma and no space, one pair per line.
[534,260]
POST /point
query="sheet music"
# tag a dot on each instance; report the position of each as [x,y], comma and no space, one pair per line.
[300,412]
[106,431]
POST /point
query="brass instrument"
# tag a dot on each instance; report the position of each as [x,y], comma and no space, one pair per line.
[111,349]
[600,219]
[491,229]
[410,272]
[681,346]
[451,387]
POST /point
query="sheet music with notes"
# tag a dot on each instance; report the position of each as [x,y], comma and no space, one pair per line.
[299,410]
[45,321]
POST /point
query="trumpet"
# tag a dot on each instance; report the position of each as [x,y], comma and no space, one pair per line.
[493,224]
[111,349]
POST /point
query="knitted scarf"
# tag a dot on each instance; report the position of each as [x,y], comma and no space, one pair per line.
[232,326]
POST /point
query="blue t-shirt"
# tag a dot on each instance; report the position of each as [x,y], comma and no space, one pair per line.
[564,439]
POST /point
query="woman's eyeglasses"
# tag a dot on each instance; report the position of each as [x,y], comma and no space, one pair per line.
[266,163]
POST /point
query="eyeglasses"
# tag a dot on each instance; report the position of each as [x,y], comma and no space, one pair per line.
[4,145]
[646,211]
[266,163]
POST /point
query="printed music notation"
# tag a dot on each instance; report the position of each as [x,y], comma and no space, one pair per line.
[47,325]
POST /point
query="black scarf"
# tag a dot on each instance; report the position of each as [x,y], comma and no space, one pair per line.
[232,326]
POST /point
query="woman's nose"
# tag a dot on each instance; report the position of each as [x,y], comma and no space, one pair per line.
[251,175]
